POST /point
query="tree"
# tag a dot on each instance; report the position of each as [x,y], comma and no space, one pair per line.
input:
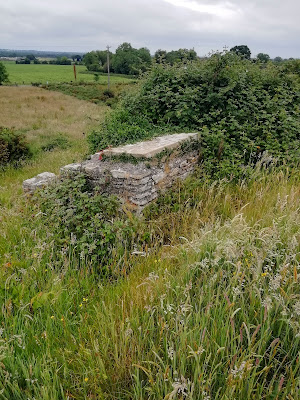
[175,56]
[262,57]
[31,57]
[242,50]
[160,56]
[131,61]
[96,60]
[76,57]
[3,74]
[278,59]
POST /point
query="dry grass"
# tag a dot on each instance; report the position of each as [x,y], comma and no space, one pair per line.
[41,113]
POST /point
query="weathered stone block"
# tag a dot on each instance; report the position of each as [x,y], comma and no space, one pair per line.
[119,174]
[70,169]
[39,181]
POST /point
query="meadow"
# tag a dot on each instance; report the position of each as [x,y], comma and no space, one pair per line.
[26,74]
[205,305]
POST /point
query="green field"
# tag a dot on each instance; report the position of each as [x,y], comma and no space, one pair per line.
[25,74]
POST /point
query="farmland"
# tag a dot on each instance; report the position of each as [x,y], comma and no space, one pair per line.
[25,74]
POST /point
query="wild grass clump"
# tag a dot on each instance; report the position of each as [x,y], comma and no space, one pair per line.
[58,142]
[216,317]
[241,109]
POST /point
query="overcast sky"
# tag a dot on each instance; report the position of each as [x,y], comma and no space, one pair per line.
[268,26]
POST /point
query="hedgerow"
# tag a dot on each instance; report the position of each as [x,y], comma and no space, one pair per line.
[242,110]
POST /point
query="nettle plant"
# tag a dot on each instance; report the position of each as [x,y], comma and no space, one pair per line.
[242,110]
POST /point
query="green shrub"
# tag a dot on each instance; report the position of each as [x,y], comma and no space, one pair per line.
[242,110]
[13,146]
[60,142]
[3,74]
[85,223]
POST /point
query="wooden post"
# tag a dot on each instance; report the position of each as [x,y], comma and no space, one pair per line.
[108,68]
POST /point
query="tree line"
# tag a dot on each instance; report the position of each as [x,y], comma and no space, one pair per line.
[130,61]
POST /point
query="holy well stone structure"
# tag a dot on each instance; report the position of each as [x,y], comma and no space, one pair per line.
[136,173]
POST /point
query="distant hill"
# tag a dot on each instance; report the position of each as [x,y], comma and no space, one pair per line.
[36,53]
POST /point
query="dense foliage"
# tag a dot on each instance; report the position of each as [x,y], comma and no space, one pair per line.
[96,60]
[13,146]
[242,51]
[85,223]
[242,110]
[126,60]
[174,56]
[3,74]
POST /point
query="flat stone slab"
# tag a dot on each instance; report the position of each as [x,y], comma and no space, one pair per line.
[39,181]
[151,148]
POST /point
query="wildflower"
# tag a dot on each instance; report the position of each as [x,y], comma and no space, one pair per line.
[62,319]
[86,379]
[128,332]
[52,317]
[267,302]
[264,274]
[238,372]
[205,395]
[80,305]
[73,239]
[85,299]
[180,388]
[275,282]
[236,291]
[171,353]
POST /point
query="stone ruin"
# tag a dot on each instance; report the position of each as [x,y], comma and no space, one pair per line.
[136,173]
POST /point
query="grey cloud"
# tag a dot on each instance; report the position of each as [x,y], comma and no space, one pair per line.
[267,26]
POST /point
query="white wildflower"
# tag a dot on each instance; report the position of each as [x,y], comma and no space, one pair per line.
[267,302]
[275,282]
[152,277]
[171,353]
[73,239]
[205,395]
[184,308]
[128,332]
[238,372]
[236,291]
[180,388]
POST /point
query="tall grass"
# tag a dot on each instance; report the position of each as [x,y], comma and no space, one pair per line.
[209,311]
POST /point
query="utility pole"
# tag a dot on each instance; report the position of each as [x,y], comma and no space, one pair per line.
[108,71]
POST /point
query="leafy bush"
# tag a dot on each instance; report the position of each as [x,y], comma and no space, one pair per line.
[13,146]
[241,109]
[86,223]
[59,142]
[3,74]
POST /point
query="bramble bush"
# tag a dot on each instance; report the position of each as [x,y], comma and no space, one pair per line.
[13,146]
[85,223]
[242,110]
